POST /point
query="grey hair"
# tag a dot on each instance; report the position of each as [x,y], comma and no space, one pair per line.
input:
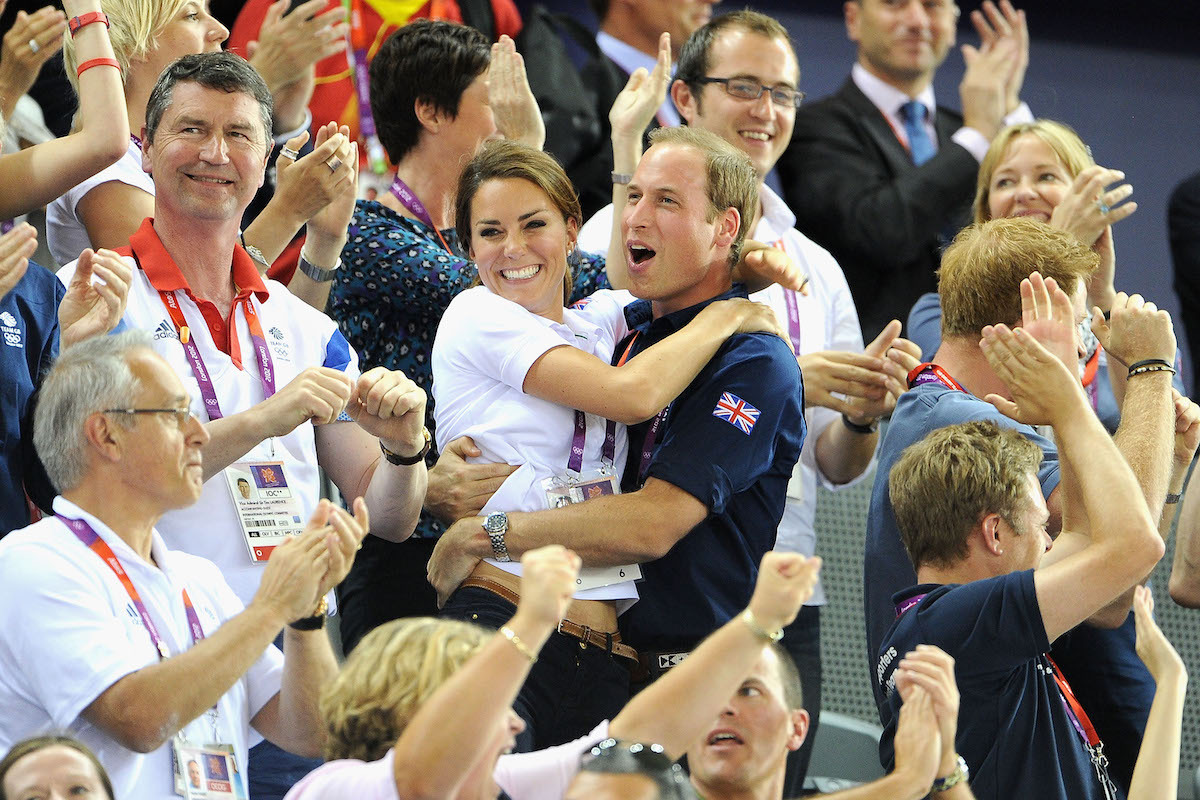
[87,377]
[222,70]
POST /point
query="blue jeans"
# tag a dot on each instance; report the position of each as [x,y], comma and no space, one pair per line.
[571,688]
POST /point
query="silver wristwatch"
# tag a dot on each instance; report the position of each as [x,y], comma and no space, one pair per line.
[318,274]
[495,526]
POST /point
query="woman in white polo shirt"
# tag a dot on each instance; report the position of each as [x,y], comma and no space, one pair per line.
[531,383]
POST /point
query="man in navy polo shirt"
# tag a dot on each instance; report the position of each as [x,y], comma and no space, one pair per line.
[710,473]
[992,590]
[981,283]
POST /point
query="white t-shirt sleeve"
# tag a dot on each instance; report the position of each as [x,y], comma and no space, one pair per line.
[80,645]
[488,335]
[595,234]
[348,779]
[545,774]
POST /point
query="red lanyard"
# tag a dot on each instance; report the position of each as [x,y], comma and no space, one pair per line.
[1075,712]
[208,392]
[92,540]
[932,373]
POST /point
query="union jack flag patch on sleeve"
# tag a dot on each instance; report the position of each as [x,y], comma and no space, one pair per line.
[737,412]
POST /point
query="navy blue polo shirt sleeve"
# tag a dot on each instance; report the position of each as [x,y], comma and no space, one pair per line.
[988,626]
[723,433]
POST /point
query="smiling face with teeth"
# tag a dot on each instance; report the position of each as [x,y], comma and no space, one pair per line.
[519,242]
[209,153]
[760,128]
[745,751]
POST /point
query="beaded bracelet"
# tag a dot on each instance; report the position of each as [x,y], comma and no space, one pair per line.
[524,649]
[1151,368]
[758,630]
[1147,362]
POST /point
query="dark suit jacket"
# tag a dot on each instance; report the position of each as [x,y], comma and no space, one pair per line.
[856,192]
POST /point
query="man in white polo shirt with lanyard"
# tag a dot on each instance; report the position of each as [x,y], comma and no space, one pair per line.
[272,378]
[720,68]
[141,651]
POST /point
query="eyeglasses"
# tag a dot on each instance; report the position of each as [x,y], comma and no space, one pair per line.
[182,415]
[746,89]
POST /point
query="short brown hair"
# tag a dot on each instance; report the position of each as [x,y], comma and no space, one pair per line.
[388,677]
[500,160]
[695,56]
[36,743]
[731,179]
[981,273]
[944,484]
[1060,138]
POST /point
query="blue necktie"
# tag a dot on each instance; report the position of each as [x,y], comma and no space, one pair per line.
[920,146]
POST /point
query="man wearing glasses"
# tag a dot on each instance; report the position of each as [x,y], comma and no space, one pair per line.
[141,651]
[879,172]
[737,77]
[274,380]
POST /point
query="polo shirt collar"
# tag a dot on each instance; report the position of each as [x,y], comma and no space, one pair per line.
[164,274]
[121,549]
[639,314]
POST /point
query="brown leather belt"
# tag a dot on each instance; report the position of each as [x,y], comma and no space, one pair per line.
[610,642]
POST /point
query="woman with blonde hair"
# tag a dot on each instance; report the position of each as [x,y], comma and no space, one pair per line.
[422,708]
[1042,169]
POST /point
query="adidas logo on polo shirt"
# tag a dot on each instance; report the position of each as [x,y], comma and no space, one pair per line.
[165,330]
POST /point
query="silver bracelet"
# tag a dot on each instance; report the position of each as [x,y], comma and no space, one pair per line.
[318,274]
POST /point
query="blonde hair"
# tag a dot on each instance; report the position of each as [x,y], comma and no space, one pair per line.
[980,277]
[134,29]
[388,676]
[1062,139]
[944,484]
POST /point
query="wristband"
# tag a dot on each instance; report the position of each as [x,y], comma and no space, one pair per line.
[1172,497]
[621,177]
[314,622]
[524,649]
[87,19]
[1150,368]
[1151,361]
[870,427]
[97,62]
[408,461]
[759,630]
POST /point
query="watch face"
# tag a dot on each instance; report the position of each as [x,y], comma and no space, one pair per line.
[496,522]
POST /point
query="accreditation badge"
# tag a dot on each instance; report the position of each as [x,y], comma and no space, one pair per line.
[206,772]
[268,510]
[570,488]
